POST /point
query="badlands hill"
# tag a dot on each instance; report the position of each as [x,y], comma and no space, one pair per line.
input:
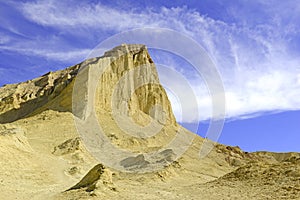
[50,147]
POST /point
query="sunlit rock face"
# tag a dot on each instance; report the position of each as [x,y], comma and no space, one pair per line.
[128,83]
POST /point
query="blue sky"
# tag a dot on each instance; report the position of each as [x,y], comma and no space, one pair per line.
[254,44]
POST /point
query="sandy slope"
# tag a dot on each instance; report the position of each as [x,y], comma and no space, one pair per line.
[35,166]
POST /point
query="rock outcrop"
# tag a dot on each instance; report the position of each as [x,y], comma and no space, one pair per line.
[49,91]
[129,82]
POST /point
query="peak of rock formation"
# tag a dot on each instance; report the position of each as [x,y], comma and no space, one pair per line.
[54,89]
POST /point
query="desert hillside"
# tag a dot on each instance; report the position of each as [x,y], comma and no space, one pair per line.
[51,146]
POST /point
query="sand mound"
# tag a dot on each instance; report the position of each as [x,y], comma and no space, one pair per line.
[90,179]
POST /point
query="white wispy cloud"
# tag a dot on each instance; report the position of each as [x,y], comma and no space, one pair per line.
[4,39]
[254,55]
[61,14]
[49,47]
[76,55]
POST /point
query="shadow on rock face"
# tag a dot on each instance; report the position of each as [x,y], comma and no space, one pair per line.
[135,162]
[150,162]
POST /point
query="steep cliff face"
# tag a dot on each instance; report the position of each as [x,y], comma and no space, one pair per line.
[128,84]
[131,84]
